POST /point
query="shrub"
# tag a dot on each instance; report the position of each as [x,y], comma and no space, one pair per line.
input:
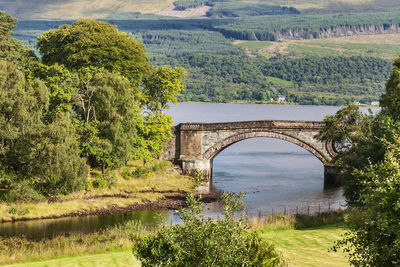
[22,191]
[201,241]
[145,171]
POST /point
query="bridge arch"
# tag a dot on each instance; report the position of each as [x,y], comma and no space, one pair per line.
[221,145]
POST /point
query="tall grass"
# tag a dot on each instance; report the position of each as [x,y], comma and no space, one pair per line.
[299,221]
[22,249]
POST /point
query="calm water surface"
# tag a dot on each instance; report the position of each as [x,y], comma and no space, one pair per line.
[275,175]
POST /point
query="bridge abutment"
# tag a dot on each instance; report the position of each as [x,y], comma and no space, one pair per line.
[203,165]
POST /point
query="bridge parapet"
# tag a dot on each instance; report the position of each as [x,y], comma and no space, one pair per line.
[262,124]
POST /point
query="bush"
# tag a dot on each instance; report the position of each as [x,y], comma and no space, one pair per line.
[145,171]
[22,191]
[201,241]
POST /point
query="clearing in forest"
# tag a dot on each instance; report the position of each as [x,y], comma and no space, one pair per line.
[386,46]
[187,13]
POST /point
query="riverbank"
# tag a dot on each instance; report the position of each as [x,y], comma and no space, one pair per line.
[159,189]
[303,241]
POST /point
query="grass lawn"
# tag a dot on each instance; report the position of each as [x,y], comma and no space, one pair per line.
[109,259]
[308,247]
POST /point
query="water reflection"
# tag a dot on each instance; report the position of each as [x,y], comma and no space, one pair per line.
[88,224]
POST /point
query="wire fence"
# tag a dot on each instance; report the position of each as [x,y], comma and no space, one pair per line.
[299,210]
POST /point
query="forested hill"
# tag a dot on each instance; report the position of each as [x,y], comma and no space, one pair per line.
[247,51]
[74,9]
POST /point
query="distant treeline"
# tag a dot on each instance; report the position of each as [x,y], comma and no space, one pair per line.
[266,28]
[325,80]
[240,9]
[271,28]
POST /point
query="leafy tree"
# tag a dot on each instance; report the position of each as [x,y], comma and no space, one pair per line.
[162,86]
[201,241]
[343,128]
[374,236]
[10,48]
[390,100]
[91,43]
[62,85]
[358,139]
[108,117]
[39,156]
[153,132]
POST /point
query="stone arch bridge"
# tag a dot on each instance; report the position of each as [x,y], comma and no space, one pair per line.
[194,145]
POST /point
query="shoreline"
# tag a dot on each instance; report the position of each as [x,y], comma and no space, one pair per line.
[170,202]
[272,104]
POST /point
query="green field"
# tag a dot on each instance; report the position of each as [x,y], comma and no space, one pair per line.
[386,46]
[118,259]
[307,247]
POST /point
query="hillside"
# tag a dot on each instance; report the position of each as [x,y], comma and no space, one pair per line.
[73,9]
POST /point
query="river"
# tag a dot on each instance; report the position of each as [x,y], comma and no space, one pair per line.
[276,176]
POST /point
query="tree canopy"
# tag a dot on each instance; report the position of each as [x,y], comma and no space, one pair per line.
[88,43]
[92,101]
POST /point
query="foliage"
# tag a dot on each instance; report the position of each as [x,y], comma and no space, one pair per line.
[184,4]
[343,128]
[162,86]
[268,28]
[145,171]
[374,236]
[88,43]
[108,113]
[62,85]
[239,9]
[391,98]
[10,48]
[45,156]
[82,102]
[361,139]
[201,241]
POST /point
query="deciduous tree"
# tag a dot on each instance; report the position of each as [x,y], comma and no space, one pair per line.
[91,43]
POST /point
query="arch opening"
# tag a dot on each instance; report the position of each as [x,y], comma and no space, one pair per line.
[217,148]
[274,174]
